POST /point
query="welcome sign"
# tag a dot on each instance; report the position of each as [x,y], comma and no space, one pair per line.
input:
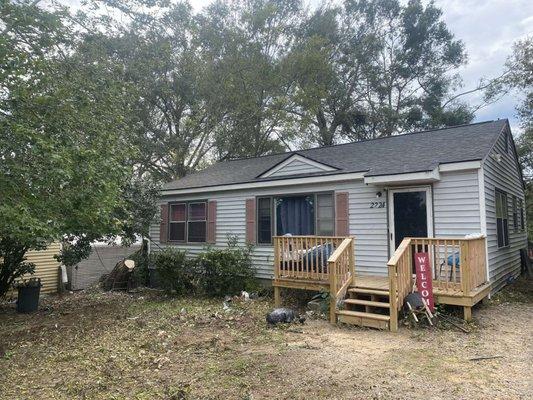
[424,282]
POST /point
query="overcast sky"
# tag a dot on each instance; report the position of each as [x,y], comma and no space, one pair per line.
[488,28]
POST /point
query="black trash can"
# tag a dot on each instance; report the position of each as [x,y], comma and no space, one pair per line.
[28,297]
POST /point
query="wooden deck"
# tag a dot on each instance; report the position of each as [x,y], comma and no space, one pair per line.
[458,267]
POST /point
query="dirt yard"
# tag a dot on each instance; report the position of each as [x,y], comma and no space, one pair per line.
[95,345]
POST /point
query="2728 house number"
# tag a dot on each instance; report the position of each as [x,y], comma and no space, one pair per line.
[377,204]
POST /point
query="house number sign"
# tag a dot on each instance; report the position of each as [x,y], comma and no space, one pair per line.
[377,204]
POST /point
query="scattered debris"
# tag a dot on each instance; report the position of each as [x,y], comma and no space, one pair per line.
[484,358]
[314,306]
[450,321]
[283,315]
[245,295]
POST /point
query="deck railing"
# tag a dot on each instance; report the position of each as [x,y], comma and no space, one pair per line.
[304,257]
[322,260]
[341,267]
[458,265]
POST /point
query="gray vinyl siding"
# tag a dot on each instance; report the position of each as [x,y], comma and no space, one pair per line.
[369,226]
[456,210]
[297,167]
[504,175]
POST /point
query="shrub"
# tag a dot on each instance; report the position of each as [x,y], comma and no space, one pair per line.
[174,271]
[226,271]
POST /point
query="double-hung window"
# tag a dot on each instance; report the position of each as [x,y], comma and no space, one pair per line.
[188,222]
[301,214]
[522,222]
[502,219]
[515,214]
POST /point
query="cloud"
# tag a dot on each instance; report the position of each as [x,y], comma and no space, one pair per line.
[488,29]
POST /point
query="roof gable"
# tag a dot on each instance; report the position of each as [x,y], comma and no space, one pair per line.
[296,164]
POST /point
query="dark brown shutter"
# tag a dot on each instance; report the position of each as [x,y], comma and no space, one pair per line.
[163,227]
[211,221]
[342,217]
[250,221]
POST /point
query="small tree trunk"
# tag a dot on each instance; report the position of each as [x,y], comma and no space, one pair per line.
[12,266]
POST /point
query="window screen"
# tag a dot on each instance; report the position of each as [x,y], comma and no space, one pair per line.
[264,220]
[325,215]
[502,219]
[177,222]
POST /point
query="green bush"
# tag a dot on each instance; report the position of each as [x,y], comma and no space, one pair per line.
[227,271]
[175,272]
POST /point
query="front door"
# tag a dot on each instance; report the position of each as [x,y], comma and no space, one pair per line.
[410,214]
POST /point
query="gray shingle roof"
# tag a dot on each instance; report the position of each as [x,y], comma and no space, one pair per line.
[412,152]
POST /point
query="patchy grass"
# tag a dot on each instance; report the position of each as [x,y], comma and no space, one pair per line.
[95,345]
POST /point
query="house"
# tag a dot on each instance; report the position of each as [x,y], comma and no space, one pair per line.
[358,211]
[46,267]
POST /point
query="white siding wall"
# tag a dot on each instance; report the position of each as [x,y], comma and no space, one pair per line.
[504,175]
[297,167]
[368,225]
[456,204]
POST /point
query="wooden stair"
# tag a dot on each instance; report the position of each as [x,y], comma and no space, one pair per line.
[366,306]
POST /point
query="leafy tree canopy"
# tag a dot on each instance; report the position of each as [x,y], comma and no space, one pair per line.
[65,154]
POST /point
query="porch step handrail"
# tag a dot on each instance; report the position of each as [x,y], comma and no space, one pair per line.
[400,279]
[341,269]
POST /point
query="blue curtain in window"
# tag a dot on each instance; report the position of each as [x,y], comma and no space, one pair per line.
[295,215]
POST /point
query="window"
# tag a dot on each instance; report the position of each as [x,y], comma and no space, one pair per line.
[522,222]
[515,214]
[196,230]
[306,214]
[188,222]
[295,215]
[325,216]
[502,219]
[264,220]
[177,222]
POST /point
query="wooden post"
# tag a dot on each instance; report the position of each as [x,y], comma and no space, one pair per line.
[468,313]
[352,259]
[464,268]
[277,297]
[393,300]
[277,257]
[332,292]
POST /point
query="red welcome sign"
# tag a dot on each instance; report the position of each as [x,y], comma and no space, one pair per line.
[424,281]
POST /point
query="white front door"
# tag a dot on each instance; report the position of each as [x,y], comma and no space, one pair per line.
[410,214]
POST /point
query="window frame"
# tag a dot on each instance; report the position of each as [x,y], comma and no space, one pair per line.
[272,218]
[273,213]
[187,203]
[505,218]
[515,214]
[522,216]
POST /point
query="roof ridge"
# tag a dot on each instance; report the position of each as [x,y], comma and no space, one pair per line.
[362,141]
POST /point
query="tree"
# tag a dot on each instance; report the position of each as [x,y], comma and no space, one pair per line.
[520,78]
[64,146]
[247,41]
[384,68]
